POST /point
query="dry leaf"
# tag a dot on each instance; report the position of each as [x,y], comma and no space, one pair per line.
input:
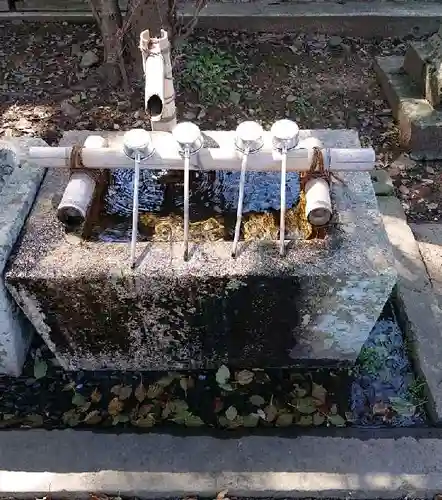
[183,384]
[93,418]
[284,420]
[154,390]
[319,393]
[96,396]
[116,389]
[221,495]
[144,410]
[305,420]
[125,392]
[193,421]
[336,420]
[244,377]
[334,409]
[70,386]
[318,419]
[306,405]
[257,400]
[40,368]
[300,392]
[231,413]
[167,380]
[78,399]
[222,375]
[71,418]
[140,392]
[115,407]
[251,420]
[271,413]
[120,419]
[33,420]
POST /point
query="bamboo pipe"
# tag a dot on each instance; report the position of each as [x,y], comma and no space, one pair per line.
[318,207]
[79,192]
[167,156]
[159,94]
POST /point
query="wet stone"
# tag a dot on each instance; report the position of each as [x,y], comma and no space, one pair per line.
[316,305]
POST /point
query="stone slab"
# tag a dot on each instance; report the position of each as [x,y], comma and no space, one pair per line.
[72,464]
[420,124]
[316,305]
[429,239]
[419,310]
[18,188]
[353,18]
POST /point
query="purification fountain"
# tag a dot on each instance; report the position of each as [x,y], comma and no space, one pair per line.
[296,276]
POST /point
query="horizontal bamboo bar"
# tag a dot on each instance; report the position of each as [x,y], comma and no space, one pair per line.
[225,157]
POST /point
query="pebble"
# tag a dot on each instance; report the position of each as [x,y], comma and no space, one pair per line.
[89,59]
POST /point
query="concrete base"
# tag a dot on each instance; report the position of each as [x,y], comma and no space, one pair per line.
[317,304]
[71,464]
[18,189]
[419,123]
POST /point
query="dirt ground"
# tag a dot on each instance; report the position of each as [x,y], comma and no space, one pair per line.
[318,81]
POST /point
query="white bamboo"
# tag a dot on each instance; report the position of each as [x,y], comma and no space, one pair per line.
[159,95]
[79,192]
[226,157]
[318,208]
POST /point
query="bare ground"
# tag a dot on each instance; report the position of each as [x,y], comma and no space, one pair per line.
[317,81]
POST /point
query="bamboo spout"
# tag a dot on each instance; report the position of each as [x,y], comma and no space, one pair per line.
[159,96]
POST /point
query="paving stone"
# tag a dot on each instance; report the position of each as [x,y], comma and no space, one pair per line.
[18,187]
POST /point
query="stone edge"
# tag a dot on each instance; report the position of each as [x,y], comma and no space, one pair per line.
[246,467]
[416,304]
[405,100]
[350,19]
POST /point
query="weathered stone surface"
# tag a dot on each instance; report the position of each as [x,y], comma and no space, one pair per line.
[382,183]
[317,304]
[420,314]
[420,124]
[18,187]
[423,63]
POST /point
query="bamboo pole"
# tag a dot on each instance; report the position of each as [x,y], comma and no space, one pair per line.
[167,156]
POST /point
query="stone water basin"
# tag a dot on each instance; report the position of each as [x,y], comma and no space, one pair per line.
[317,305]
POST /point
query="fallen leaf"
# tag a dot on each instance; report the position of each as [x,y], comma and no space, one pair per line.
[78,399]
[222,494]
[318,419]
[120,419]
[184,384]
[402,407]
[40,368]
[93,418]
[154,390]
[33,420]
[140,392]
[125,392]
[70,386]
[167,380]
[116,389]
[257,400]
[147,421]
[222,375]
[305,420]
[379,409]
[306,405]
[96,396]
[231,413]
[251,420]
[403,189]
[144,410]
[319,393]
[85,407]
[235,97]
[222,420]
[71,418]
[300,392]
[336,420]
[115,407]
[193,421]
[244,377]
[284,420]
[271,413]
[226,387]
